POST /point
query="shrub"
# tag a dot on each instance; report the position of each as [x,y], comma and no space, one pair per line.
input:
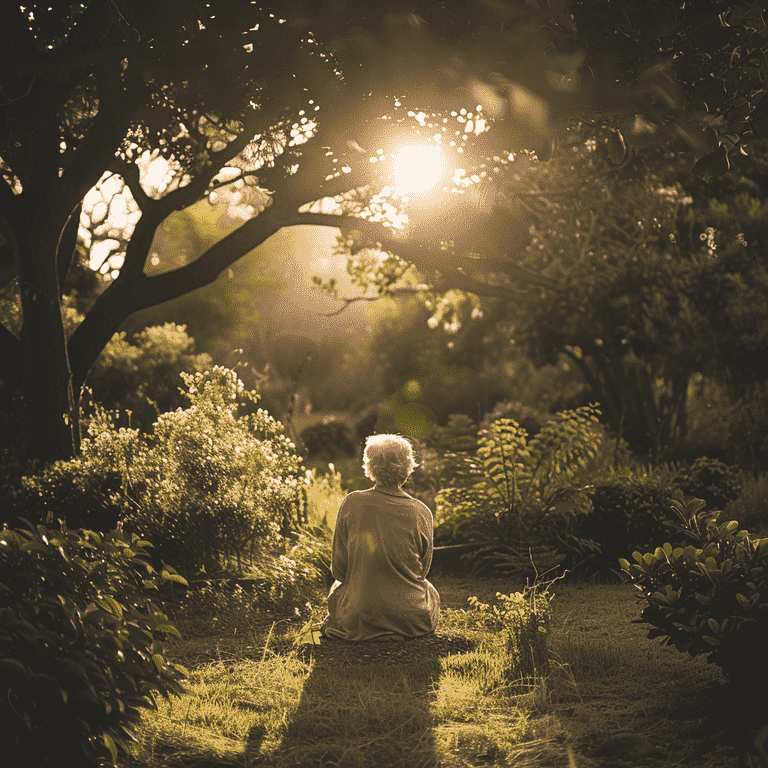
[710,480]
[139,377]
[520,496]
[750,508]
[81,644]
[459,435]
[710,597]
[207,487]
[78,492]
[328,440]
[629,511]
[530,419]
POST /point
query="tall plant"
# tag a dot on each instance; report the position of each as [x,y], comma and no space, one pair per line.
[521,494]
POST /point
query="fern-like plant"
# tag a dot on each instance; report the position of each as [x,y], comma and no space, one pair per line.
[522,494]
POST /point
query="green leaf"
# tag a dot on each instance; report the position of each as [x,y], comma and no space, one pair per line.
[166,576]
[111,746]
[617,147]
[159,661]
[168,628]
[712,165]
[112,604]
[180,668]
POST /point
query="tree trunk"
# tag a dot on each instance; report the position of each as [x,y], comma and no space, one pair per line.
[46,382]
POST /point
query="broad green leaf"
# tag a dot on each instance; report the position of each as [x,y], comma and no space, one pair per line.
[168,628]
[112,604]
[174,577]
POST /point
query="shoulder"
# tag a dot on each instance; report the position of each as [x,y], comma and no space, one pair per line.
[353,497]
[357,495]
[419,506]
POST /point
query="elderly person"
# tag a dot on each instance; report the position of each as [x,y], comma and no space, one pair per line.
[382,550]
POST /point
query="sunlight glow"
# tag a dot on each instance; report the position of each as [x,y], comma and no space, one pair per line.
[417,168]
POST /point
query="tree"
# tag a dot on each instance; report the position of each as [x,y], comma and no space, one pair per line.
[180,99]
[175,101]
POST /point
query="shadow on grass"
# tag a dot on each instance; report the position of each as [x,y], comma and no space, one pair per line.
[371,707]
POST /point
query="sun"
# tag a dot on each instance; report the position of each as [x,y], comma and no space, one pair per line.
[417,168]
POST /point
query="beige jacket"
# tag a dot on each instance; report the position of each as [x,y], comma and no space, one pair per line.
[382,550]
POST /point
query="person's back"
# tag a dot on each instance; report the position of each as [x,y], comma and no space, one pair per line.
[381,556]
[382,551]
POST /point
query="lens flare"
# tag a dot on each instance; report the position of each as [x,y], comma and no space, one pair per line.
[417,168]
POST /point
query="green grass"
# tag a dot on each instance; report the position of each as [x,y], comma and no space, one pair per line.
[279,711]
[252,700]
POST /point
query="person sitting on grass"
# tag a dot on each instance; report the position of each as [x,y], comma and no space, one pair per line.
[382,550]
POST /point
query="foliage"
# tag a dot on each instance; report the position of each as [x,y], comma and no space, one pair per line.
[523,619]
[282,582]
[139,377]
[253,104]
[328,440]
[207,487]
[708,597]
[711,480]
[81,643]
[628,512]
[263,109]
[618,296]
[750,508]
[519,494]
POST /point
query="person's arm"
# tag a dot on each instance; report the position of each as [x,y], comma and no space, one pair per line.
[339,553]
[427,534]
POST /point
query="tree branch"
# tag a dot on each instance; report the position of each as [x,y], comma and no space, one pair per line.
[133,290]
[428,254]
[354,299]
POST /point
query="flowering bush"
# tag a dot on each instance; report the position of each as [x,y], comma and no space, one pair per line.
[209,488]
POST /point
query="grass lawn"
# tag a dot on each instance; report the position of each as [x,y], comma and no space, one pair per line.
[254,699]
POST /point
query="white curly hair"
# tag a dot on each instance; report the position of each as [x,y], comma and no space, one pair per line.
[388,460]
